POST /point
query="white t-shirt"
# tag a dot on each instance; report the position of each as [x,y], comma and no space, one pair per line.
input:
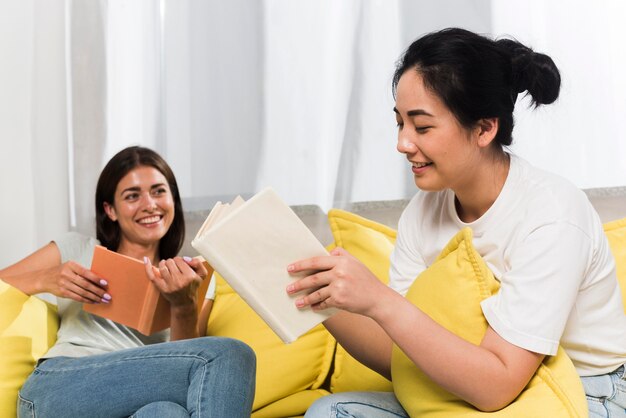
[544,242]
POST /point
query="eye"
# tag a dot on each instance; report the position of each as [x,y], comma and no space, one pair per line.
[131,196]
[159,191]
[422,129]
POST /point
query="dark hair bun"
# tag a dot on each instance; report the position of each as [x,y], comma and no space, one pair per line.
[533,72]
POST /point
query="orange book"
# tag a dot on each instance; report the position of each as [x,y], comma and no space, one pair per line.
[136,302]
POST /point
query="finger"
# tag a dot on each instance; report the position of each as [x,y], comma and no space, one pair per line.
[312,282]
[314,298]
[76,292]
[88,275]
[176,266]
[314,263]
[91,289]
[197,265]
[149,269]
[338,251]
[164,271]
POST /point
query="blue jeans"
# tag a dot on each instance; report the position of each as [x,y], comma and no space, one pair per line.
[606,394]
[201,377]
[357,405]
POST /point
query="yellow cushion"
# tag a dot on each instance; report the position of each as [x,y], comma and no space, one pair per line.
[450,292]
[371,243]
[28,327]
[616,234]
[282,369]
[292,406]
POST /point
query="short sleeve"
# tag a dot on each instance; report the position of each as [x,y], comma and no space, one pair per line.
[539,290]
[76,247]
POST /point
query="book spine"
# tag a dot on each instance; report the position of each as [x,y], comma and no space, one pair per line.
[246,294]
[148,310]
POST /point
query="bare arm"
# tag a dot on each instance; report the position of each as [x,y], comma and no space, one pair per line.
[488,376]
[203,318]
[364,339]
[42,272]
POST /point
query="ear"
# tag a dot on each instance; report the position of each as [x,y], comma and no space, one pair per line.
[110,211]
[486,131]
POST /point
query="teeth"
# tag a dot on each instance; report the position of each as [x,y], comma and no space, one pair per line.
[420,165]
[150,220]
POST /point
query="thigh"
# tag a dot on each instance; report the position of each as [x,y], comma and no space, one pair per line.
[606,394]
[357,405]
[117,384]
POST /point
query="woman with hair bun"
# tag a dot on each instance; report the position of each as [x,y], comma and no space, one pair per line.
[455,94]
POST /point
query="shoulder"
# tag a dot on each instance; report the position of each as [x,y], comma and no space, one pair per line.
[76,247]
[548,196]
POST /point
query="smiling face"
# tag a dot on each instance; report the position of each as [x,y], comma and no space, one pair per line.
[143,207]
[443,153]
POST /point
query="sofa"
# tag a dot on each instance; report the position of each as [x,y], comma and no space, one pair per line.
[291,376]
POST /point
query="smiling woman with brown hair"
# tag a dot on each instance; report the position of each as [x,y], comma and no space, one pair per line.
[100,368]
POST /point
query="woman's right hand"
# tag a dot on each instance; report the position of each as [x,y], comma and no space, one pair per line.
[72,281]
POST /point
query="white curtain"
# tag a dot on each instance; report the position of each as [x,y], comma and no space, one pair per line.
[241,95]
[34,205]
[294,94]
[581,136]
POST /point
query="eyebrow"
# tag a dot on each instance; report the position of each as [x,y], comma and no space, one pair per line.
[137,188]
[415,112]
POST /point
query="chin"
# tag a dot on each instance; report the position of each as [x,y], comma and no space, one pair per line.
[427,186]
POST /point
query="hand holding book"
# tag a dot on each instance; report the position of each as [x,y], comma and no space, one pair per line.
[250,244]
[136,301]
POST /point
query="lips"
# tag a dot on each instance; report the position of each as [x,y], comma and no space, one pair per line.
[149,220]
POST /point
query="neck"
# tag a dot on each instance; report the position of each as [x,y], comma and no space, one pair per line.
[478,194]
[139,251]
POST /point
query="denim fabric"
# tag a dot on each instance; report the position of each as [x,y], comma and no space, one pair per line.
[206,377]
[606,394]
[357,405]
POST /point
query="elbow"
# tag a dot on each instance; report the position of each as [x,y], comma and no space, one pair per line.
[493,401]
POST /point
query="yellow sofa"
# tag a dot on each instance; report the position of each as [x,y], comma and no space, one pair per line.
[289,377]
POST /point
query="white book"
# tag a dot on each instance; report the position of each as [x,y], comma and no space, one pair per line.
[250,243]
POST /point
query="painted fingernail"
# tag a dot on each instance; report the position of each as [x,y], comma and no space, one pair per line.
[106,296]
[104,282]
[187,259]
[103,300]
[299,303]
[290,288]
[290,267]
[146,260]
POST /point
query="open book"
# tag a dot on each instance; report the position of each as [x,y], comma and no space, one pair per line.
[136,302]
[250,244]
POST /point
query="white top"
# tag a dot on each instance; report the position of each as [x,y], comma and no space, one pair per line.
[81,333]
[544,242]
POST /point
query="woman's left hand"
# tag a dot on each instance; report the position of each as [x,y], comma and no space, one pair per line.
[178,279]
[341,281]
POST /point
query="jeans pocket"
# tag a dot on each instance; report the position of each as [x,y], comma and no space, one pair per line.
[25,408]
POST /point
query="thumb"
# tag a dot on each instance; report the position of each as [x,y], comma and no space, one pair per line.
[337,251]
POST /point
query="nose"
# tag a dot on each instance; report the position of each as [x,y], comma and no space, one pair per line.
[149,202]
[405,145]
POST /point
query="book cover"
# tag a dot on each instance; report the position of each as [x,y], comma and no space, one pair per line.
[250,244]
[136,302]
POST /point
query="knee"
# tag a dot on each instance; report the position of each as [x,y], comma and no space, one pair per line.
[161,409]
[241,352]
[323,407]
[230,350]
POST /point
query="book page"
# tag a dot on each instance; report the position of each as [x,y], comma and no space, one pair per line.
[251,247]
